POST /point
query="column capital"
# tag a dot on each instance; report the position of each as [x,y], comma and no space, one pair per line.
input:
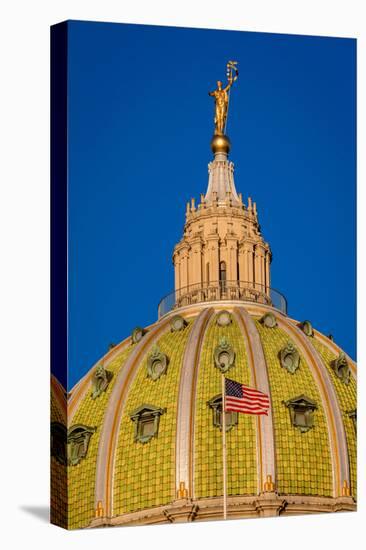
[270,504]
[246,245]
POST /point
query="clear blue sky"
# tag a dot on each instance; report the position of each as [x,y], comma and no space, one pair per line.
[140,123]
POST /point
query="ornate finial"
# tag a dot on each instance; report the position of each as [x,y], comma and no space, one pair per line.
[182,491]
[220,142]
[99,511]
[269,486]
[346,492]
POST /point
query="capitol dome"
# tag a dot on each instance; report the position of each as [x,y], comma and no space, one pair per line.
[144,425]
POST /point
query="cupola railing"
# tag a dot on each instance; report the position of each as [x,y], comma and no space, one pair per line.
[222,290]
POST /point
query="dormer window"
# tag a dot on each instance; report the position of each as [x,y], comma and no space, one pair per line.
[78,438]
[58,442]
[146,419]
[231,417]
[301,412]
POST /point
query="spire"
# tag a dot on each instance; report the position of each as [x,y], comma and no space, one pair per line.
[221,185]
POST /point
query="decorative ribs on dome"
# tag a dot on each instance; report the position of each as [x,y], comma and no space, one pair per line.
[309,457]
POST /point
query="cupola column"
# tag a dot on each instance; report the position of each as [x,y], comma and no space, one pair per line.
[213,257]
[259,267]
[195,262]
[268,277]
[248,263]
[243,268]
[232,257]
[176,263]
[184,267]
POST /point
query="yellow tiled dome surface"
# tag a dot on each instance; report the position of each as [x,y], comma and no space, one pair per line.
[303,459]
[81,477]
[56,414]
[58,493]
[144,474]
[58,475]
[347,399]
[241,439]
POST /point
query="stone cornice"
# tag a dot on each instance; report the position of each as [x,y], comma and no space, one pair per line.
[263,505]
[221,211]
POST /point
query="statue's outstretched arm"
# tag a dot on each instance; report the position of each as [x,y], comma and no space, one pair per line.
[211,93]
[232,80]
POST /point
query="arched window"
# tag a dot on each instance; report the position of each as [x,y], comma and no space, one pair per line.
[222,271]
[208,273]
[223,276]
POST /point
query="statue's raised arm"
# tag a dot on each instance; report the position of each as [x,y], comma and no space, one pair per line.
[231,68]
[222,98]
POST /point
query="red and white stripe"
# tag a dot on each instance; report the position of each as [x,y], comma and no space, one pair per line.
[252,402]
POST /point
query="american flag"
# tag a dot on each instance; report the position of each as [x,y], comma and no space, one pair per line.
[241,398]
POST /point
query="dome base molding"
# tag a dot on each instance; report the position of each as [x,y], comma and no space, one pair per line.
[205,509]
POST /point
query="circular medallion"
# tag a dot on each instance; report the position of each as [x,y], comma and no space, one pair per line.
[269,320]
[223,318]
[137,334]
[177,323]
[307,328]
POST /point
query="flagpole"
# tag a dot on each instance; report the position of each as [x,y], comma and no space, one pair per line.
[224,444]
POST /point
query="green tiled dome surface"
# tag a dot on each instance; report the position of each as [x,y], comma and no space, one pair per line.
[81,477]
[241,439]
[144,474]
[347,399]
[303,459]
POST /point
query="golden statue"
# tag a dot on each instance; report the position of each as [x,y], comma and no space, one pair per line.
[221,96]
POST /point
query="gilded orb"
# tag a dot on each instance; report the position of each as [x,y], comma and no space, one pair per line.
[220,144]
